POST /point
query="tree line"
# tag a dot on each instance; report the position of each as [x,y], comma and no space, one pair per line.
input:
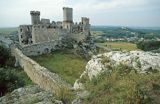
[148,45]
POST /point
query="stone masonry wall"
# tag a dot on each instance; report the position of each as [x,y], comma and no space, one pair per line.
[38,74]
[41,48]
[42,33]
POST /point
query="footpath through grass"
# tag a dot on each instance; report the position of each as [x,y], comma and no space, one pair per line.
[68,66]
[120,45]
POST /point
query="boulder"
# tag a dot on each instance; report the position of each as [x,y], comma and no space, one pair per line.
[29,95]
[141,61]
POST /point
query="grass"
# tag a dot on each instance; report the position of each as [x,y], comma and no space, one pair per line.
[23,76]
[123,86]
[68,66]
[96,33]
[119,45]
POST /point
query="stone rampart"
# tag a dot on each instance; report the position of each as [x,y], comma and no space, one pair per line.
[41,48]
[38,74]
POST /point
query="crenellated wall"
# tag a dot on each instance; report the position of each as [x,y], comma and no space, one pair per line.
[38,74]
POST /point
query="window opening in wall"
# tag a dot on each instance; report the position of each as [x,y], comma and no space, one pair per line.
[27,28]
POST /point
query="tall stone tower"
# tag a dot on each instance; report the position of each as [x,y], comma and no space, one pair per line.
[35,17]
[85,23]
[67,18]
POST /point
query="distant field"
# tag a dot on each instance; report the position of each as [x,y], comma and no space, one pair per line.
[68,66]
[96,33]
[7,31]
[119,45]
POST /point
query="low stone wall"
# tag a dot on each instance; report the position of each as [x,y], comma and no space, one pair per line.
[38,74]
[41,48]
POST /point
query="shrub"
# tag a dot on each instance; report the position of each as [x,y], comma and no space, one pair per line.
[64,94]
[5,57]
[148,45]
[11,79]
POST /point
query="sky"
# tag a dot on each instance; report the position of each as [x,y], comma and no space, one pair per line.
[139,13]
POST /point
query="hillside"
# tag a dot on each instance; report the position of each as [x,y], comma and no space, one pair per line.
[121,78]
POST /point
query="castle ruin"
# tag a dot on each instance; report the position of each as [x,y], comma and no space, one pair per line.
[42,30]
[44,36]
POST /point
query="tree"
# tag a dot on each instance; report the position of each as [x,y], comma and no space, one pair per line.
[148,45]
[4,55]
[9,80]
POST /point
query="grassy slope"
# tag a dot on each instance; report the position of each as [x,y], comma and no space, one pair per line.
[68,66]
[124,86]
[120,45]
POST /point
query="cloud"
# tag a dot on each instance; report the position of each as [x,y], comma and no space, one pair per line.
[110,5]
[101,12]
[15,12]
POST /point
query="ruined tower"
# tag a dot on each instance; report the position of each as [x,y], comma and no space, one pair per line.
[85,23]
[35,17]
[67,18]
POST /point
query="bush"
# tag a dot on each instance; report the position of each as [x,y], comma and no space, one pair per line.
[65,95]
[11,79]
[148,45]
[4,56]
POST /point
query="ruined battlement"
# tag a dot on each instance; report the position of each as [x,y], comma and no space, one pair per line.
[42,29]
[85,21]
[35,13]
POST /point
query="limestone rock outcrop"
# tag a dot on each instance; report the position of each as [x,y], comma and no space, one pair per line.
[29,95]
[143,62]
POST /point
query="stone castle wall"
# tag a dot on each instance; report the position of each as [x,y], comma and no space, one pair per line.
[42,33]
[41,48]
[38,74]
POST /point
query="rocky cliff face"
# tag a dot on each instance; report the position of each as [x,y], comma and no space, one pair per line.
[142,62]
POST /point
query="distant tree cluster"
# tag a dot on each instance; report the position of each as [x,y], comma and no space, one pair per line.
[117,32]
[148,45]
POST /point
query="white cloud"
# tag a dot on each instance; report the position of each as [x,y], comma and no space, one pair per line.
[95,5]
[15,12]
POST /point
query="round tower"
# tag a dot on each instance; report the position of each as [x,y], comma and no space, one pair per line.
[35,17]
